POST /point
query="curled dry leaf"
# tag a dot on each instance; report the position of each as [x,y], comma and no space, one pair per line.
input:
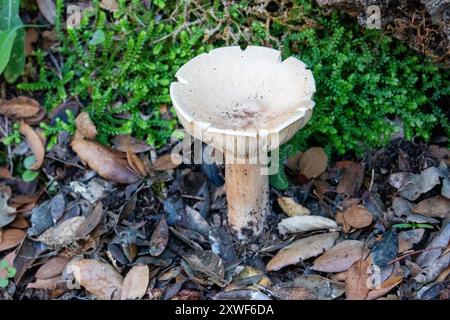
[313,162]
[126,143]
[52,268]
[291,207]
[11,238]
[356,280]
[159,239]
[99,278]
[135,283]
[91,221]
[104,161]
[302,249]
[436,207]
[305,223]
[48,10]
[358,217]
[352,179]
[85,126]
[167,162]
[341,257]
[36,144]
[19,108]
[136,164]
[63,234]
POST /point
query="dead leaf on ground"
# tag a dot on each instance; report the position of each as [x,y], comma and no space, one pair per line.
[85,126]
[407,239]
[7,213]
[52,268]
[440,153]
[390,283]
[436,207]
[63,234]
[291,293]
[135,283]
[104,161]
[36,144]
[432,271]
[126,143]
[440,240]
[31,37]
[385,248]
[302,249]
[99,278]
[136,164]
[358,217]
[403,209]
[321,287]
[352,179]
[313,162]
[91,221]
[167,162]
[19,108]
[11,238]
[208,263]
[356,281]
[411,186]
[48,10]
[291,207]
[298,224]
[45,284]
[159,239]
[341,257]
[109,5]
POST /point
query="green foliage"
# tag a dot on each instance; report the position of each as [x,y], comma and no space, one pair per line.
[14,136]
[119,66]
[6,272]
[412,225]
[12,40]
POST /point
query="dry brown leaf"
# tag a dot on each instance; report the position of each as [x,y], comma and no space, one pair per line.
[407,239]
[358,217]
[63,234]
[126,143]
[11,238]
[436,207]
[91,221]
[341,257]
[85,125]
[109,5]
[159,239]
[313,162]
[440,153]
[136,164]
[298,224]
[301,250]
[340,220]
[36,144]
[292,293]
[356,281]
[48,10]
[52,268]
[394,279]
[45,284]
[352,179]
[20,223]
[291,207]
[99,278]
[167,162]
[31,37]
[135,283]
[19,108]
[104,161]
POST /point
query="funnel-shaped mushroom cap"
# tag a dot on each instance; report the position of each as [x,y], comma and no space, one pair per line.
[236,99]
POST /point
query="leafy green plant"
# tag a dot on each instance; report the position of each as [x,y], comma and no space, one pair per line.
[412,225]
[14,136]
[29,175]
[12,40]
[6,272]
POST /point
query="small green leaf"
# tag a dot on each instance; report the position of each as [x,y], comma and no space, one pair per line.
[3,264]
[11,272]
[29,175]
[3,283]
[97,38]
[28,162]
[402,225]
[424,225]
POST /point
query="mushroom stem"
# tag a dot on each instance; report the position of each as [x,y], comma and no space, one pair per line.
[248,199]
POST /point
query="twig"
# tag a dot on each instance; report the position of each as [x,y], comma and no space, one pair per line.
[371,180]
[413,253]
[65,162]
[193,197]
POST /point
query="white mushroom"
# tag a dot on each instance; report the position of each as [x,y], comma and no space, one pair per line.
[244,103]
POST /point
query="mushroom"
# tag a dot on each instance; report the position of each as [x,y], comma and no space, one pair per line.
[244,103]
